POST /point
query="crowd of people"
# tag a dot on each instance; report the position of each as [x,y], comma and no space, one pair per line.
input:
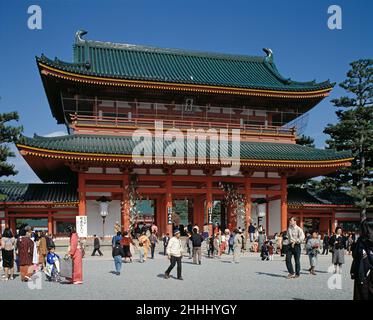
[30,251]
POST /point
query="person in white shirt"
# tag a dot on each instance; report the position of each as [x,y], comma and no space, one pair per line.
[295,235]
[175,252]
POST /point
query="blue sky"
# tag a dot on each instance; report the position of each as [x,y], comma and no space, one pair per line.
[304,47]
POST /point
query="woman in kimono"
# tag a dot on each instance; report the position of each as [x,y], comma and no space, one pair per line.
[76,254]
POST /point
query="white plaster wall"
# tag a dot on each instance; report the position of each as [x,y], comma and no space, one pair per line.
[274,208]
[95,221]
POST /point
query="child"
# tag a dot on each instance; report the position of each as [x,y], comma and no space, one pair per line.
[271,250]
[52,266]
[264,251]
[141,251]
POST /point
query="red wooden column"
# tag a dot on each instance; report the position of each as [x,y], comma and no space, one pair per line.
[82,194]
[160,213]
[247,205]
[301,220]
[168,208]
[126,205]
[284,205]
[50,222]
[209,203]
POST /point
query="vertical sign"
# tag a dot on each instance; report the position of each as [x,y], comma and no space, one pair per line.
[209,215]
[169,215]
[81,226]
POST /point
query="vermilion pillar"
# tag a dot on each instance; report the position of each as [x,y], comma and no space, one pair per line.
[126,205]
[301,221]
[50,223]
[247,206]
[209,203]
[82,195]
[168,204]
[284,205]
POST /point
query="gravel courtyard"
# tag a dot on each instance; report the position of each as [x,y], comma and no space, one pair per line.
[214,279]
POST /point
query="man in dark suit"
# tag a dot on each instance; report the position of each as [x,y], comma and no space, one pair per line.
[325,246]
[96,246]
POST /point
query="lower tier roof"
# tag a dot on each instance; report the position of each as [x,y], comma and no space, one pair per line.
[67,193]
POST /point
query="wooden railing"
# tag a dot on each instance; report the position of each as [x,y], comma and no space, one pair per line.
[148,123]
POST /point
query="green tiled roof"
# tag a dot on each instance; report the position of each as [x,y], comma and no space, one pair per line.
[36,192]
[123,145]
[302,196]
[135,62]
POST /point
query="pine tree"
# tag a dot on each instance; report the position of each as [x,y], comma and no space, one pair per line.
[8,134]
[354,132]
[306,141]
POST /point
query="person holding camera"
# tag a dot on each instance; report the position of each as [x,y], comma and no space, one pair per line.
[295,236]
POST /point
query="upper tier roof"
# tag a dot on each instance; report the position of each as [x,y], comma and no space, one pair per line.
[144,63]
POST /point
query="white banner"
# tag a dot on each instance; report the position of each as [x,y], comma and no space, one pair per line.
[81,226]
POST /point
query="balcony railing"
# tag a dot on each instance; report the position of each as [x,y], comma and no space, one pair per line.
[149,123]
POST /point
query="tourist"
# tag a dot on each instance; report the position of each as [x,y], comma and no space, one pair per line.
[35,257]
[117,255]
[52,266]
[338,245]
[349,243]
[243,248]
[195,227]
[285,243]
[42,249]
[174,252]
[196,240]
[126,244]
[237,246]
[312,248]
[362,265]
[75,252]
[216,245]
[153,242]
[188,244]
[96,246]
[25,252]
[295,235]
[141,252]
[256,233]
[279,244]
[271,250]
[154,229]
[261,238]
[211,249]
[254,246]
[165,239]
[222,245]
[206,231]
[251,231]
[144,240]
[230,243]
[264,254]
[117,237]
[7,244]
[325,244]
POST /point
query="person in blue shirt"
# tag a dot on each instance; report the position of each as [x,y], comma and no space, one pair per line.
[52,267]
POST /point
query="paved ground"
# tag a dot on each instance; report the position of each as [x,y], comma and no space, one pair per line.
[214,279]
